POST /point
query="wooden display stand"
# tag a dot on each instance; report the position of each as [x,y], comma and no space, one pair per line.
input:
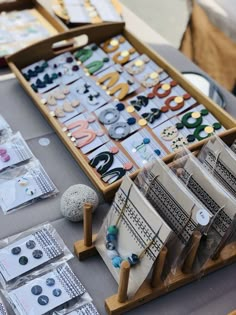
[150,289]
[98,34]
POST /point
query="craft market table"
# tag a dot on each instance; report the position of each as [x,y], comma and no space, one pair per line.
[214,294]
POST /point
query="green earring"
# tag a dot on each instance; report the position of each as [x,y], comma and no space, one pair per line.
[94,66]
[83,54]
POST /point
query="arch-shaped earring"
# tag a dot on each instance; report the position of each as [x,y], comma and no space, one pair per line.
[125,54]
[114,175]
[112,78]
[94,66]
[123,88]
[83,54]
[112,45]
[106,157]
[164,86]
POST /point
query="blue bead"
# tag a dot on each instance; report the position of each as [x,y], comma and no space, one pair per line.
[116,261]
[158,152]
[133,259]
[110,246]
[111,237]
[112,229]
[146,140]
[120,107]
[131,121]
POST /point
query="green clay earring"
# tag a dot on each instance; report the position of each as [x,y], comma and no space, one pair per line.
[83,54]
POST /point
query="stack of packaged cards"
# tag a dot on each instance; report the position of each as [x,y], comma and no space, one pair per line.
[36,277]
[23,179]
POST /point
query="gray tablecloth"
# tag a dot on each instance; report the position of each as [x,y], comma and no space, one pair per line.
[214,294]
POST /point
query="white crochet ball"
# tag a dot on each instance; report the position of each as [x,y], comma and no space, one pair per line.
[73,200]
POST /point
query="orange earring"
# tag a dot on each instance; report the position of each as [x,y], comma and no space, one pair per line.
[164,86]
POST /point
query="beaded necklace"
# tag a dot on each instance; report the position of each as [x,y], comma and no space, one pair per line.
[111,242]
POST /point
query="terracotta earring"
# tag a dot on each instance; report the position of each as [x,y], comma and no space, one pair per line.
[178,102]
[166,87]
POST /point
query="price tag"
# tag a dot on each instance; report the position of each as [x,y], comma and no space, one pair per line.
[202,217]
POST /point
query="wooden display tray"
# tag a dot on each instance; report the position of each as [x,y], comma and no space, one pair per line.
[154,287]
[59,11]
[99,34]
[50,22]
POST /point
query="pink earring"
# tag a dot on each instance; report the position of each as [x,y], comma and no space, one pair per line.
[4,156]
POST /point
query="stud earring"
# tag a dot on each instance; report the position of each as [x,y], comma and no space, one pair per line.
[151,79]
[137,66]
[112,45]
[125,54]
[4,156]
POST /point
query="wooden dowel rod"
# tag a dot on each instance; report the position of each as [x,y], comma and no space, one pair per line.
[188,264]
[158,268]
[124,282]
[88,225]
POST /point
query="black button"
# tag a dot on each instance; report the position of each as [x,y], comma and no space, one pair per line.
[16,250]
[37,254]
[56,292]
[36,290]
[43,300]
[30,244]
[50,282]
[23,260]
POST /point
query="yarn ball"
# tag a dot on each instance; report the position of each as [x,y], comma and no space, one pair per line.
[73,200]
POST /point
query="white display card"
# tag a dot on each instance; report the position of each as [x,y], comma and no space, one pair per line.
[140,224]
[56,288]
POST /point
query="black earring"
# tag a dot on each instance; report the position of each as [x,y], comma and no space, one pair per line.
[114,174]
[141,101]
[107,158]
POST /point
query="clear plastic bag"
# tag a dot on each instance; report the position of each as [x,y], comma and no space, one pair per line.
[3,310]
[220,161]
[80,308]
[41,294]
[178,207]
[5,130]
[214,197]
[23,185]
[31,250]
[14,151]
